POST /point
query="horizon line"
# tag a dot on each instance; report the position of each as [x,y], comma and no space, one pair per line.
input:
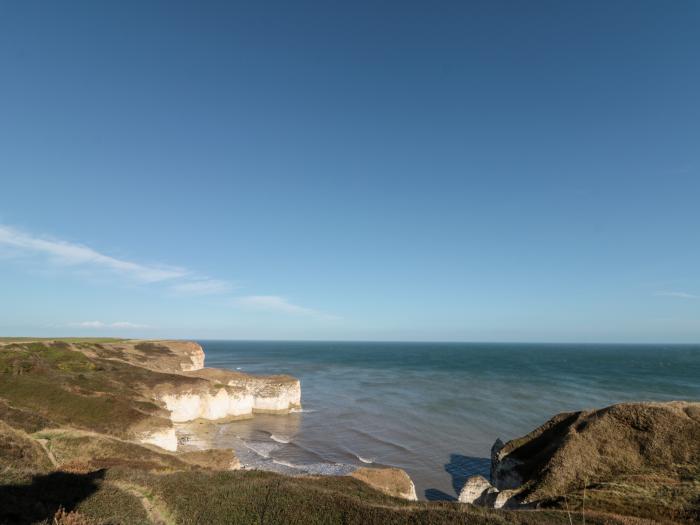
[389,341]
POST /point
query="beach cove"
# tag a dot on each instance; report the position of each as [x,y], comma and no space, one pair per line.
[432,409]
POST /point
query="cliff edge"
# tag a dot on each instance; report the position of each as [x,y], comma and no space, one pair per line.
[131,389]
[639,459]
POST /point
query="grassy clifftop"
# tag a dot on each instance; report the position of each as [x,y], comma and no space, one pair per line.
[106,480]
[640,459]
[129,484]
[50,384]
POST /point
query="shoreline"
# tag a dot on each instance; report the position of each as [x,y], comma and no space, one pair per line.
[466,405]
[82,409]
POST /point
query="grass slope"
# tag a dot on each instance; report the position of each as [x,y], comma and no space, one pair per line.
[639,459]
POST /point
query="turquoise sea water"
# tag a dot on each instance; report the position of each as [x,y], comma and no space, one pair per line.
[434,409]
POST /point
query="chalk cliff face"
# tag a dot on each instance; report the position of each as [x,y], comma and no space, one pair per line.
[212,394]
[478,491]
[196,355]
[173,376]
[187,406]
[163,438]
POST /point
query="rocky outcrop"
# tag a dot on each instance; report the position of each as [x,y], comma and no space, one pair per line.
[479,491]
[504,472]
[392,481]
[639,443]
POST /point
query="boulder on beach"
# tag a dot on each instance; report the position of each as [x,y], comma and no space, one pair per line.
[478,491]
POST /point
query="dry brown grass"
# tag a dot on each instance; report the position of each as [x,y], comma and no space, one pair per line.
[70,518]
[638,459]
[18,451]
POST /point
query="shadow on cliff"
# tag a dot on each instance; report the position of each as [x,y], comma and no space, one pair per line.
[39,500]
[460,468]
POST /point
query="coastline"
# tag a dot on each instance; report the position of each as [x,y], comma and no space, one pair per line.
[435,410]
[82,410]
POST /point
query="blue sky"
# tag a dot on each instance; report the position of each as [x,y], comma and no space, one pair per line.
[479,171]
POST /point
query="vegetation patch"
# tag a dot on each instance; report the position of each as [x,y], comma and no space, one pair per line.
[153,348]
[61,386]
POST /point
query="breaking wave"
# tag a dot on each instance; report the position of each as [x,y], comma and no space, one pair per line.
[365,460]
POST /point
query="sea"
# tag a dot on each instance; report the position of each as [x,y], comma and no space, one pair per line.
[432,409]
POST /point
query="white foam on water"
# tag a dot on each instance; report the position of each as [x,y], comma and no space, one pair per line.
[365,460]
[285,463]
[319,469]
[261,448]
[280,439]
[300,410]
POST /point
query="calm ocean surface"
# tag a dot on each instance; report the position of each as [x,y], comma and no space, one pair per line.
[434,409]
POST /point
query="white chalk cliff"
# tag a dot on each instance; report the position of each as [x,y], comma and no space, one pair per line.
[187,391]
[213,393]
[164,438]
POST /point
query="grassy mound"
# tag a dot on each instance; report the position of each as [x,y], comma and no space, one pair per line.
[51,384]
[20,453]
[639,459]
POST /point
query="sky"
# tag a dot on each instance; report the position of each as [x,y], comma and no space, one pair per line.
[410,171]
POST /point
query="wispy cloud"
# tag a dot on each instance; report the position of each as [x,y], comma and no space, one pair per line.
[101,324]
[177,280]
[202,287]
[275,303]
[63,253]
[678,295]
[71,254]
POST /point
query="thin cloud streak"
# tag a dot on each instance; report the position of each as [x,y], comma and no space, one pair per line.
[202,287]
[101,324]
[275,303]
[70,254]
[63,253]
[678,295]
[178,281]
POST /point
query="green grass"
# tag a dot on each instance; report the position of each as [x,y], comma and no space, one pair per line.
[114,506]
[22,419]
[128,491]
[64,339]
[107,414]
[113,482]
[256,497]
[154,348]
[64,387]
